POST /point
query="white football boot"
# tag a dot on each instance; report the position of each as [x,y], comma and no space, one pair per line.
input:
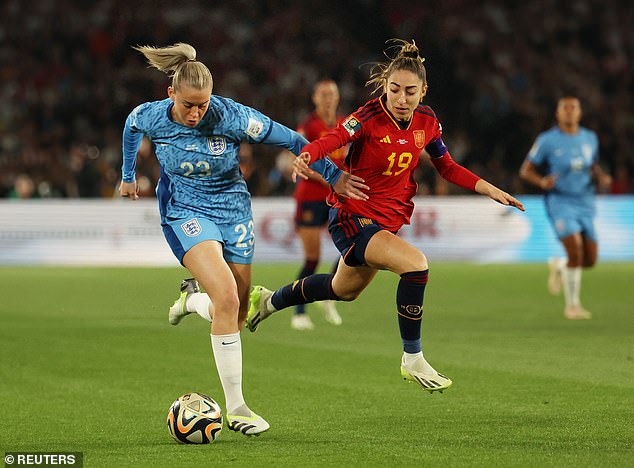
[425,375]
[257,307]
[178,310]
[248,425]
[330,312]
[576,312]
[301,322]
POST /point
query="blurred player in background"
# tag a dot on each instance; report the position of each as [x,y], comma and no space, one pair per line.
[204,203]
[311,214]
[564,163]
[388,135]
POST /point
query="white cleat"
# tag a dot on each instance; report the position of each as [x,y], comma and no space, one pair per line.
[330,312]
[554,276]
[257,307]
[425,375]
[576,312]
[301,322]
[178,310]
[247,425]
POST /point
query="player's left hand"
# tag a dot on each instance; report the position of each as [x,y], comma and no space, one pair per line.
[509,200]
[500,196]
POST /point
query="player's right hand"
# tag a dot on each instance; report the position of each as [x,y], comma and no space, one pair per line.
[129,190]
[548,182]
[351,186]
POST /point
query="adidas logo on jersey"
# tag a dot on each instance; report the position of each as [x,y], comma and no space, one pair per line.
[385,139]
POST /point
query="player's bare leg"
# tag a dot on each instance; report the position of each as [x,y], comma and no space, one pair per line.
[206,262]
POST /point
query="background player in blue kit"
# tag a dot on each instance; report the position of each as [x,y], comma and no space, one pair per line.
[204,203]
[564,163]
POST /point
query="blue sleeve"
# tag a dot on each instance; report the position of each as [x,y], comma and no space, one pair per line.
[327,169]
[284,137]
[279,135]
[537,153]
[131,141]
[247,124]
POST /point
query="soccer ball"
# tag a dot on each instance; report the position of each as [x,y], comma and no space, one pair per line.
[194,419]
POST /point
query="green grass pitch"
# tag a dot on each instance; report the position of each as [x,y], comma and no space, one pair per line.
[89,363]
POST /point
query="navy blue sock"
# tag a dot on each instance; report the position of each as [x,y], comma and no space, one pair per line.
[409,303]
[308,269]
[310,289]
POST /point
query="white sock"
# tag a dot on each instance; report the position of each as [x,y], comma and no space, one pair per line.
[228,356]
[199,303]
[575,274]
[409,358]
[572,285]
[418,361]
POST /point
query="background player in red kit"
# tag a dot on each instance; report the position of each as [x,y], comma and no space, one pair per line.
[310,196]
[388,135]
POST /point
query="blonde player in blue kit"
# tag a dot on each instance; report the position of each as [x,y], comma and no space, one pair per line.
[204,203]
[564,163]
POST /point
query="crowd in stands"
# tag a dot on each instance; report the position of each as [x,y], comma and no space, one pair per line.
[495,70]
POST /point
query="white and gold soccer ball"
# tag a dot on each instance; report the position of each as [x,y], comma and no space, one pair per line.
[194,418]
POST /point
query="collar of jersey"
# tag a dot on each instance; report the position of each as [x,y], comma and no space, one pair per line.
[389,114]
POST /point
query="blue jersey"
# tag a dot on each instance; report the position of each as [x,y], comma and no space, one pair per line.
[570,204]
[200,173]
[569,157]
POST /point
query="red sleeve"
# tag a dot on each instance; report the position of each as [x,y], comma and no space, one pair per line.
[455,173]
[333,140]
[338,137]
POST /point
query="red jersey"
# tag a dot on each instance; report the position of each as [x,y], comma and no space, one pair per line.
[385,156]
[314,128]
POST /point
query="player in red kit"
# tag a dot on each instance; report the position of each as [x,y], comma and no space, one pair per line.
[311,215]
[387,135]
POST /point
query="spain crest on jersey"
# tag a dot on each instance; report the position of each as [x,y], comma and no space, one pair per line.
[217,145]
[419,138]
[191,228]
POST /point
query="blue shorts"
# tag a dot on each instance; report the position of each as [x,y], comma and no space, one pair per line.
[311,213]
[238,239]
[568,216]
[351,234]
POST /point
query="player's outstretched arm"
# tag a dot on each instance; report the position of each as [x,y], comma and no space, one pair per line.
[500,196]
[347,185]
